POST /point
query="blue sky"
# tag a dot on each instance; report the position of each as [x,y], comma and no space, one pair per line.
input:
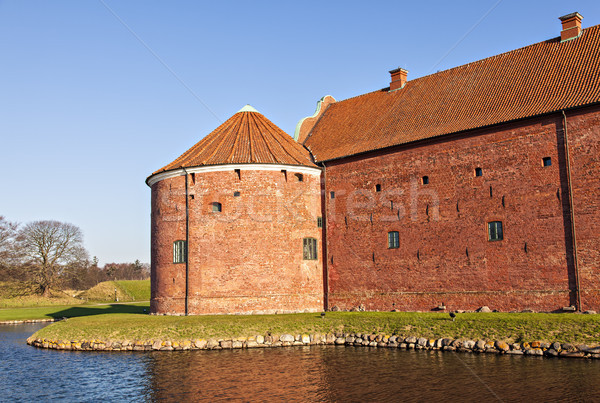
[87,111]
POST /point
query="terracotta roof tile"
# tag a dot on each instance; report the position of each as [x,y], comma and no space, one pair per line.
[537,79]
[245,138]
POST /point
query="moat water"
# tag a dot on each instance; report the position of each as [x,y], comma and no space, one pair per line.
[317,373]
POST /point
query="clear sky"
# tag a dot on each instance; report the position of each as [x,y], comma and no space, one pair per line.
[95,95]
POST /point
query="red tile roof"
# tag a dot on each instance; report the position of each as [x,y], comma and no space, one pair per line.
[245,138]
[537,79]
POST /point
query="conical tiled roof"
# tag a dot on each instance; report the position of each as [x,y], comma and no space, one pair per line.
[246,138]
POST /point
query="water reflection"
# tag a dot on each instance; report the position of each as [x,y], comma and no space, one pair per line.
[286,374]
[359,374]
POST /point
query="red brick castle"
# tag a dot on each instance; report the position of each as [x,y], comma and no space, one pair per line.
[477,185]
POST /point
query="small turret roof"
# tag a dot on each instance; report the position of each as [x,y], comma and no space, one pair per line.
[247,137]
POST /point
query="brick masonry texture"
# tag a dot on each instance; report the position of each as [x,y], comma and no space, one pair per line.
[445,257]
[246,258]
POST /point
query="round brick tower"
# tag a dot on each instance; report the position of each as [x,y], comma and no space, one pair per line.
[236,224]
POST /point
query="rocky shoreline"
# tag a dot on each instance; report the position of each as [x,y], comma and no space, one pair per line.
[20,322]
[534,348]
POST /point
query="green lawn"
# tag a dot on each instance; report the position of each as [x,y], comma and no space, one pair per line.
[515,327]
[60,311]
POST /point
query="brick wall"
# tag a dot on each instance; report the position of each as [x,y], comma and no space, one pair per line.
[246,258]
[583,131]
[444,256]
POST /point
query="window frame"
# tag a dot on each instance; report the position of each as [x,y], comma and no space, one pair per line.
[216,207]
[180,252]
[393,239]
[309,249]
[495,231]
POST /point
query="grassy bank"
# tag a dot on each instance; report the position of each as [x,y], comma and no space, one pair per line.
[126,291]
[19,301]
[70,311]
[517,327]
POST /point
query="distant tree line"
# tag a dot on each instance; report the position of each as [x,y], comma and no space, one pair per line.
[51,256]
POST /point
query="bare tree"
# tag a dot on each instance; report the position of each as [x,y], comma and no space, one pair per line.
[8,234]
[48,249]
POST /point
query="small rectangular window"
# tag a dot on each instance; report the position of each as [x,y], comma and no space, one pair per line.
[332,195]
[378,188]
[547,161]
[236,194]
[179,252]
[495,231]
[320,222]
[309,249]
[393,240]
[299,177]
[425,180]
[216,207]
[478,172]
[238,173]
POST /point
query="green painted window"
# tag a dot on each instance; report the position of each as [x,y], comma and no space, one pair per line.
[309,249]
[495,231]
[179,252]
[393,240]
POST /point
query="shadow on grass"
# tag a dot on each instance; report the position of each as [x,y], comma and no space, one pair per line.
[99,310]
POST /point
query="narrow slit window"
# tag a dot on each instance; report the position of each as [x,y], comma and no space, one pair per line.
[478,172]
[495,231]
[216,207]
[309,249]
[193,176]
[179,252]
[238,173]
[546,161]
[425,180]
[393,240]
[332,195]
[378,188]
[320,222]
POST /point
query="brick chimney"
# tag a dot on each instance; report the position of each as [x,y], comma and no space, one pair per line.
[398,78]
[571,26]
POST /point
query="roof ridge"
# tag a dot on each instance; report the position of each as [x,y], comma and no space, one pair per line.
[217,137]
[277,139]
[536,79]
[258,122]
[235,142]
[467,64]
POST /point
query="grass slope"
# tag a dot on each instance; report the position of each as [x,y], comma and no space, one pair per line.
[492,326]
[127,290]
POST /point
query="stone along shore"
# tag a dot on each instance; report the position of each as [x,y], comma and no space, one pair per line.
[534,348]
